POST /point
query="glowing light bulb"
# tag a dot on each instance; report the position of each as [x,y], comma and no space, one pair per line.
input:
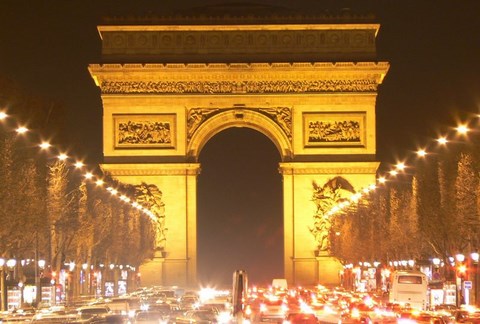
[45,145]
[400,166]
[62,157]
[21,130]
[394,172]
[382,180]
[442,140]
[88,175]
[3,115]
[99,182]
[79,164]
[462,129]
[421,153]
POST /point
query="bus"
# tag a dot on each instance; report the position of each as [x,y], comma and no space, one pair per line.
[409,288]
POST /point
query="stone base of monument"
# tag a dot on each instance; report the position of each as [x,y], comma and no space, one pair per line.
[329,269]
[152,271]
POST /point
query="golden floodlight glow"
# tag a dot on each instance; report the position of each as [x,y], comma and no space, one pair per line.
[382,180]
[394,172]
[3,115]
[45,145]
[62,157]
[421,153]
[79,164]
[372,186]
[99,182]
[400,166]
[88,175]
[462,129]
[21,130]
[442,140]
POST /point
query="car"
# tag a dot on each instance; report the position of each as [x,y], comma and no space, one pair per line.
[272,310]
[87,312]
[153,317]
[300,318]
[197,316]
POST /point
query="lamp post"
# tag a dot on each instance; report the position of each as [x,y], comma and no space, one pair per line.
[3,291]
[475,257]
[460,271]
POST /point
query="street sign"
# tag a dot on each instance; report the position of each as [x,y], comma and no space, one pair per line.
[467,284]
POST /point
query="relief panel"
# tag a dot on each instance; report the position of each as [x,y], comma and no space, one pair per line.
[342,129]
[145,131]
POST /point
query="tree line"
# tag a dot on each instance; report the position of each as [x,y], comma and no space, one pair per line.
[430,211]
[48,210]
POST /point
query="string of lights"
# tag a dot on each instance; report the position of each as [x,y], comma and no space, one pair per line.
[79,165]
[454,134]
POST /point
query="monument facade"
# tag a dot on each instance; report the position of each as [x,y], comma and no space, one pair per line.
[309,84]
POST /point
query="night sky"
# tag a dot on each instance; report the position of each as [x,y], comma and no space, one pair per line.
[433,48]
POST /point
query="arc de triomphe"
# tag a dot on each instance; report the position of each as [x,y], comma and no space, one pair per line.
[309,84]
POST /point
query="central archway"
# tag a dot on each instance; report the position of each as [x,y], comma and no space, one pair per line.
[239,208]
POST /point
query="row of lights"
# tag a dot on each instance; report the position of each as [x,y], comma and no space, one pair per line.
[45,145]
[400,167]
[11,263]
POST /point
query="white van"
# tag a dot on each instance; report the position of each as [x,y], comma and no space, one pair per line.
[409,288]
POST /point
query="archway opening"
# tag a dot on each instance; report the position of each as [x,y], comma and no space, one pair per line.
[239,208]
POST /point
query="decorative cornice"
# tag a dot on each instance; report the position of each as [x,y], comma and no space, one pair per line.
[239,78]
[152,169]
[329,168]
[217,67]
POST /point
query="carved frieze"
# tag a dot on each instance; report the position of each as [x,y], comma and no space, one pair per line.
[146,131]
[222,87]
[282,116]
[334,129]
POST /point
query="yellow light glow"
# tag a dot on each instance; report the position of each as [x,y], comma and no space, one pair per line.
[442,140]
[462,129]
[62,157]
[394,172]
[382,180]
[372,187]
[45,145]
[421,153]
[400,166]
[21,130]
[88,175]
[3,115]
[99,182]
[79,164]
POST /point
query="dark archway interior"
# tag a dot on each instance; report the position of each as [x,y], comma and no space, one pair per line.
[239,209]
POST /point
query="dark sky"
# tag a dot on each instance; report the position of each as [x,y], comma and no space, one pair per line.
[433,48]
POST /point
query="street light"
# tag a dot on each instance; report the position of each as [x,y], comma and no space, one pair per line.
[3,292]
[475,257]
[460,272]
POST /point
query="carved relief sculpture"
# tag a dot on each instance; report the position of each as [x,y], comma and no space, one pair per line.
[325,197]
[339,129]
[282,116]
[196,116]
[149,196]
[213,87]
[144,131]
